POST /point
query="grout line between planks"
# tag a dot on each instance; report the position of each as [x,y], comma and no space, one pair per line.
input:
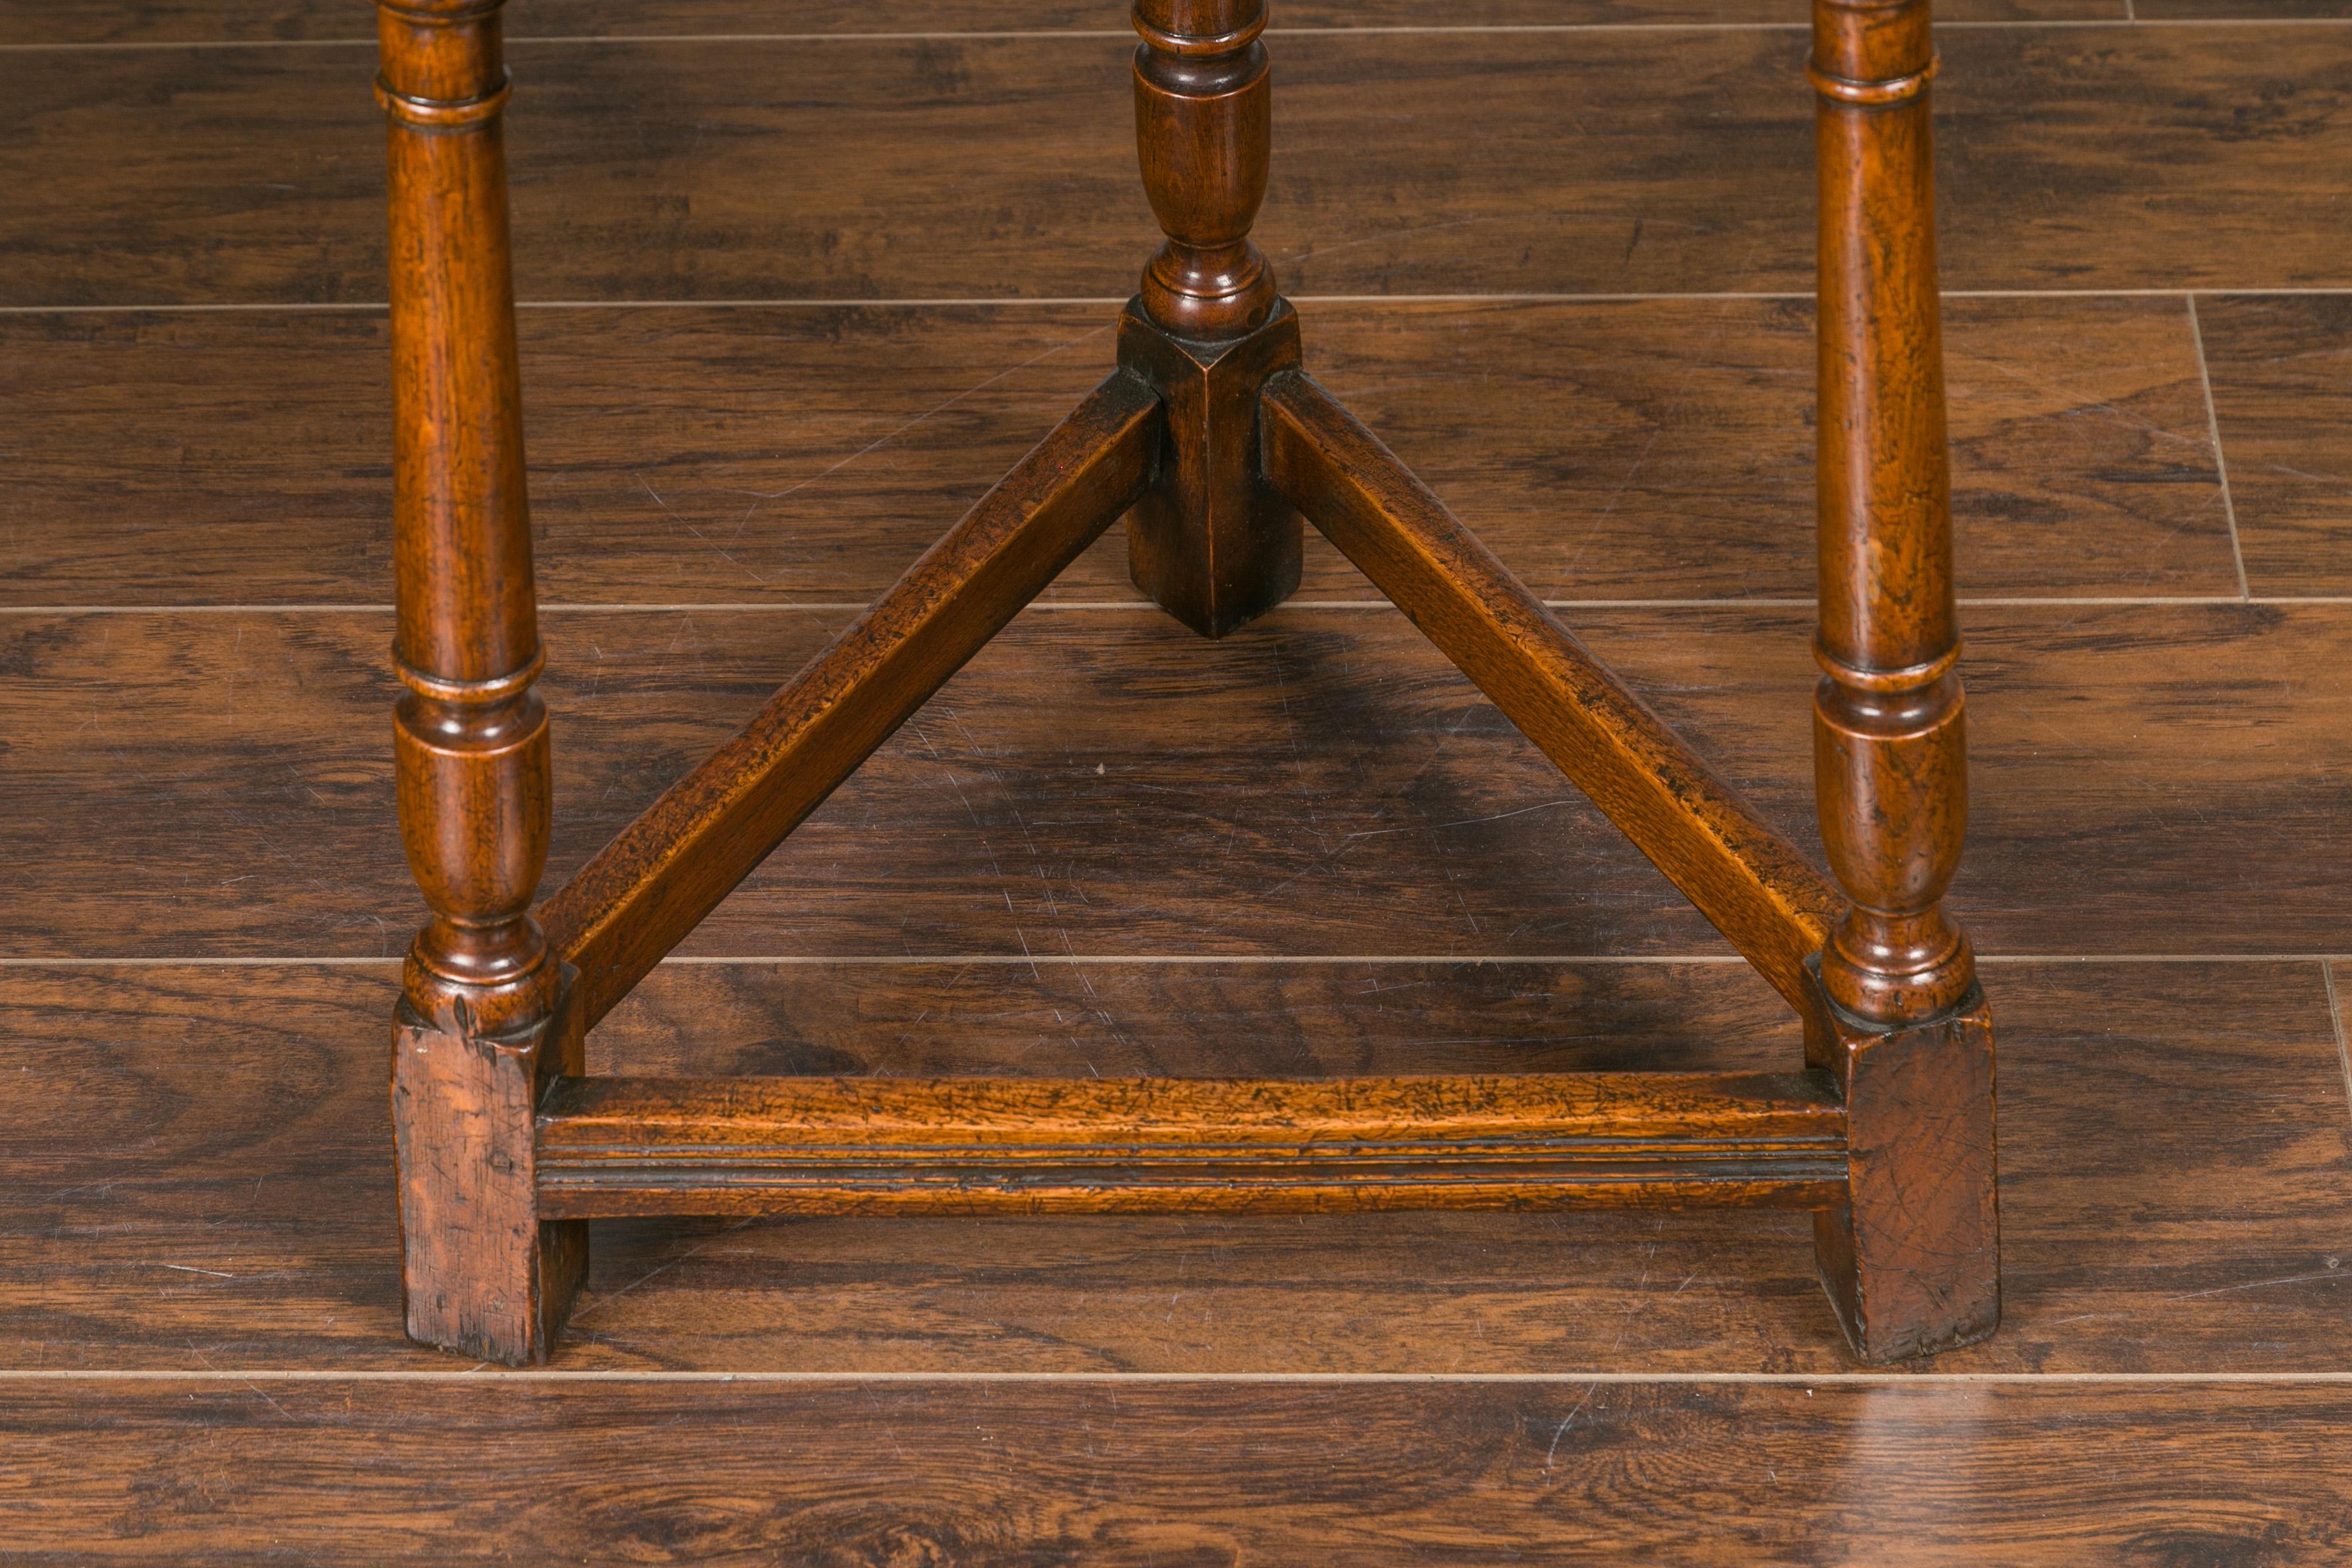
[483,1374]
[1173,959]
[2336,1017]
[2221,461]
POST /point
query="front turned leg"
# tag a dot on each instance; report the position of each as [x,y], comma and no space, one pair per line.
[482,1020]
[1212,544]
[1912,1260]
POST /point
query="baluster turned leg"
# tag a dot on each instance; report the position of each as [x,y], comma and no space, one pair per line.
[1912,1262]
[1213,544]
[481,1017]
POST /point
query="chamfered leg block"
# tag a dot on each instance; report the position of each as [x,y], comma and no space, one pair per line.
[481,1017]
[1912,1260]
[1212,544]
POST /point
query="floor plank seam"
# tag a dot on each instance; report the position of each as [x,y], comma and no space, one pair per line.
[2336,1018]
[483,1373]
[2221,461]
[1051,961]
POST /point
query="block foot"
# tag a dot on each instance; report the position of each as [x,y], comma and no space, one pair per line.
[1912,1259]
[481,1274]
[1212,544]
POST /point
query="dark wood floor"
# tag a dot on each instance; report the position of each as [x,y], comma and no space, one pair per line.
[802,279]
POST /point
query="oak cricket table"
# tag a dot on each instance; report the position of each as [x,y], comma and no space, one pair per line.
[1211,438]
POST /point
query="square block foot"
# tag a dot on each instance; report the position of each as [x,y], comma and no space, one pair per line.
[1211,544]
[481,1274]
[1912,1259]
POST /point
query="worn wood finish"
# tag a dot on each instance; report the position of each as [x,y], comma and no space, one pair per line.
[1635,449]
[662,874]
[1915,1473]
[1741,874]
[486,1270]
[481,1019]
[816,1145]
[1912,1257]
[2101,157]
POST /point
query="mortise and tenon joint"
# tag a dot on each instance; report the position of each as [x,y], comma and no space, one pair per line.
[1212,439]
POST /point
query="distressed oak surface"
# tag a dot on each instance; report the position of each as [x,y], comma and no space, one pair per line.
[2073,158]
[630,1147]
[206,1191]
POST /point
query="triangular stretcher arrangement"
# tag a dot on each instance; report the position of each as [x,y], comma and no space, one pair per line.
[1211,439]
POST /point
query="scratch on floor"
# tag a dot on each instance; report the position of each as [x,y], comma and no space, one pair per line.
[1562,1430]
[2259,1284]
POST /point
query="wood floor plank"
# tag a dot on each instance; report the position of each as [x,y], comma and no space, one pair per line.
[210,1187]
[211,21]
[2282,376]
[1654,449]
[2070,1477]
[2099,157]
[1101,782]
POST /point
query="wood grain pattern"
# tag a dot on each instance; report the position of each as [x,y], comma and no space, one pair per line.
[1126,1475]
[2282,399]
[1890,718]
[1648,451]
[175,21]
[1335,788]
[2176,1178]
[644,1146]
[470,736]
[2082,158]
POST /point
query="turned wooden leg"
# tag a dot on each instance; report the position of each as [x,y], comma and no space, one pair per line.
[481,1021]
[1212,544]
[1912,1260]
